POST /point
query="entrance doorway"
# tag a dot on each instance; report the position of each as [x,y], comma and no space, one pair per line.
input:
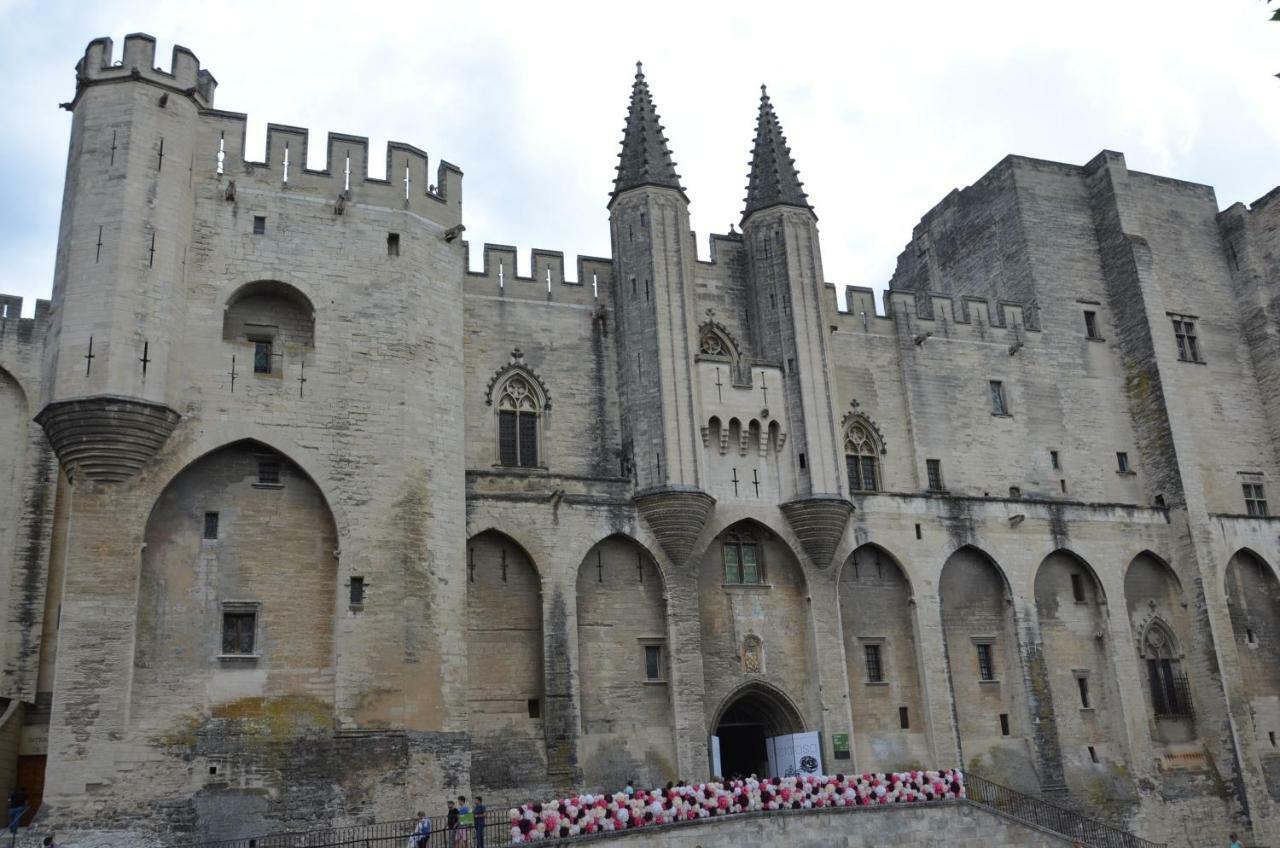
[747,721]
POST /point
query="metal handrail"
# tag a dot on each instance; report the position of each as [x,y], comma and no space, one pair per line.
[1049,816]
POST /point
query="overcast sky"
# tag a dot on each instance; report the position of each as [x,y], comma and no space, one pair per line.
[887,105]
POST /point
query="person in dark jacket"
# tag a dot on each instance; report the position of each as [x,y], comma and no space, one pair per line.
[480,809]
[451,822]
[17,806]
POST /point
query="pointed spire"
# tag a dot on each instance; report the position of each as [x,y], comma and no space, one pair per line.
[645,157]
[773,179]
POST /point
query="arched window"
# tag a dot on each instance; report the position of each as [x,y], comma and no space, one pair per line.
[862,459]
[1170,695]
[518,423]
[742,561]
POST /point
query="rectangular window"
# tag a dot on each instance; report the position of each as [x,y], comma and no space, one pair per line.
[1122,462]
[986,671]
[750,568]
[393,244]
[1082,683]
[528,440]
[934,468]
[262,357]
[998,405]
[237,632]
[269,472]
[1054,461]
[1255,501]
[875,672]
[259,224]
[1091,325]
[1077,588]
[1004,724]
[742,562]
[1184,330]
[507,438]
[357,591]
[731,565]
[862,472]
[1093,754]
[904,718]
[211,525]
[653,662]
[535,708]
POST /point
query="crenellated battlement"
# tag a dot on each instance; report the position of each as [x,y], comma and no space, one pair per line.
[345,178]
[547,282]
[11,309]
[138,61]
[964,316]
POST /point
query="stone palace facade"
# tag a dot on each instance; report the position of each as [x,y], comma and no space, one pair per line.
[304,522]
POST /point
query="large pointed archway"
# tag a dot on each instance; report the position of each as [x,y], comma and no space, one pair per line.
[747,719]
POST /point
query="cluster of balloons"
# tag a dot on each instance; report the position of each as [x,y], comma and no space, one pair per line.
[619,811]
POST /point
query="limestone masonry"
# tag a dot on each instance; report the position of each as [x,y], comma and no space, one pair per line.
[307,524]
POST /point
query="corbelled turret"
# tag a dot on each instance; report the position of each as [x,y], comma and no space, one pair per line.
[645,158]
[773,180]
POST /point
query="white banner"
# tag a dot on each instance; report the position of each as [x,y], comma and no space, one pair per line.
[715,757]
[794,754]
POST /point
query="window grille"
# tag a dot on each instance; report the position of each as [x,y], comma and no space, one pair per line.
[875,671]
[986,670]
[934,468]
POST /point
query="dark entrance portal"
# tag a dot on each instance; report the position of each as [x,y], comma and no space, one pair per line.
[742,747]
[751,717]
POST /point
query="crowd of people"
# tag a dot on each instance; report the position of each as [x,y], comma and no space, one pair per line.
[631,807]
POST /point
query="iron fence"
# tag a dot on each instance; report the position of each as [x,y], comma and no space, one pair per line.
[1050,816]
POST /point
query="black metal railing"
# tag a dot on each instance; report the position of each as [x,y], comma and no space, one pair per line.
[397,834]
[1049,816]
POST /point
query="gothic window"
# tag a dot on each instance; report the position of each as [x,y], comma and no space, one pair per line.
[518,423]
[742,563]
[1170,695]
[861,459]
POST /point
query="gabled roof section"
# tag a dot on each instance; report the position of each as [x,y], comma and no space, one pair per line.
[773,180]
[645,158]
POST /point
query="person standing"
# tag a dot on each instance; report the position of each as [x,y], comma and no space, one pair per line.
[17,807]
[479,810]
[1235,841]
[631,789]
[465,822]
[421,831]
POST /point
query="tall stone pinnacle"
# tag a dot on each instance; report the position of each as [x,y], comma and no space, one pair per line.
[645,157]
[773,180]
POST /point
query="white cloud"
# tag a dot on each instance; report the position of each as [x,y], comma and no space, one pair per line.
[887,106]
